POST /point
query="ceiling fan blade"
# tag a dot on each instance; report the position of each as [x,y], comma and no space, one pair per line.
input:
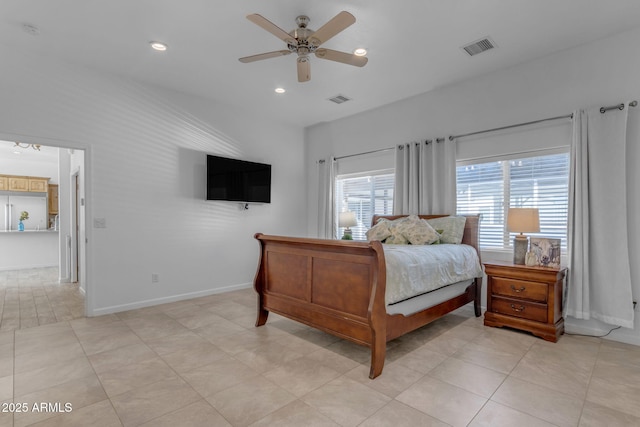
[345,58]
[331,28]
[263,22]
[304,69]
[261,56]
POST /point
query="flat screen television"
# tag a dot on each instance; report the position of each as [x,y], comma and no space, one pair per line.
[238,180]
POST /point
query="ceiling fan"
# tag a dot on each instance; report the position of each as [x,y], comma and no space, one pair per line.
[305,41]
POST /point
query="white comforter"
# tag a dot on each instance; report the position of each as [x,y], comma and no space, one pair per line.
[416,269]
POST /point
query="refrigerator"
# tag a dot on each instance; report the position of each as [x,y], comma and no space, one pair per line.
[13,205]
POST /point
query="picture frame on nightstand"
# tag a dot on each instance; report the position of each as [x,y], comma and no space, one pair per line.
[543,252]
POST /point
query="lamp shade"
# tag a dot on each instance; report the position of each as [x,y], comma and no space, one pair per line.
[347,219]
[523,220]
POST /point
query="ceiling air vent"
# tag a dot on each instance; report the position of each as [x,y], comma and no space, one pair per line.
[339,99]
[479,46]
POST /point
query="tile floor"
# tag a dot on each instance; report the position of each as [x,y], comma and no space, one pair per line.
[33,297]
[201,362]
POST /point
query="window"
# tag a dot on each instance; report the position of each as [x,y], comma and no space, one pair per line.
[490,188]
[365,194]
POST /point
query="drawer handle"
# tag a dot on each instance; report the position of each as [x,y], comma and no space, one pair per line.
[518,309]
[513,288]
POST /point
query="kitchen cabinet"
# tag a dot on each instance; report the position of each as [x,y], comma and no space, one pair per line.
[18,183]
[33,184]
[53,199]
[38,184]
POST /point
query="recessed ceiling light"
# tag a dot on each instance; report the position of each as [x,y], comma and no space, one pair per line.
[280,90]
[16,152]
[161,47]
[360,51]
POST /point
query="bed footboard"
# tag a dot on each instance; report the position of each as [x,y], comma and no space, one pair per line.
[339,287]
[332,285]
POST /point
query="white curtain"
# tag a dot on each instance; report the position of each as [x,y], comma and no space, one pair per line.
[599,284]
[326,212]
[425,178]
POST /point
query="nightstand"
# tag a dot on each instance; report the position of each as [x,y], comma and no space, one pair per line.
[525,298]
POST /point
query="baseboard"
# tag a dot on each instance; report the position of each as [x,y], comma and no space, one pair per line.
[573,326]
[621,336]
[165,300]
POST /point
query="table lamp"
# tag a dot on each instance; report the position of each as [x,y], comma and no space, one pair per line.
[522,220]
[347,219]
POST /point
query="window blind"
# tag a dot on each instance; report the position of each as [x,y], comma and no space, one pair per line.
[490,188]
[365,194]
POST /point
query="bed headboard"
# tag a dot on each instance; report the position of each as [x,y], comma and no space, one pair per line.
[471,227]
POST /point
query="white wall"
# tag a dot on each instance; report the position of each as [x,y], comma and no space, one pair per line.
[145,171]
[601,73]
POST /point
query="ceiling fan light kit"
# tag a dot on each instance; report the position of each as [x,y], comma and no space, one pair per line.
[304,41]
[26,145]
[360,51]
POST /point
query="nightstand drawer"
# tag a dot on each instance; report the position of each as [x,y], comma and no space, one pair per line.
[534,291]
[518,308]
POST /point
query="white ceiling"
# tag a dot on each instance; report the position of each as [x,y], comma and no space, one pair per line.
[8,150]
[414,45]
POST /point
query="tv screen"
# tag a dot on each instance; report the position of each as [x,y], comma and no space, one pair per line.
[238,180]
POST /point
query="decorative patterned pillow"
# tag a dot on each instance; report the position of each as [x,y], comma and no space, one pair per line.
[452,228]
[396,227]
[380,231]
[411,229]
[420,232]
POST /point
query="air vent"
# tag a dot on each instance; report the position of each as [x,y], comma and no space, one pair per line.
[479,46]
[339,99]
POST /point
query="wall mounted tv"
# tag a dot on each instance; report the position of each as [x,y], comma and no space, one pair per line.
[238,180]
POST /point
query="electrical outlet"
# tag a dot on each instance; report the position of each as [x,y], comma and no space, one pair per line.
[155,278]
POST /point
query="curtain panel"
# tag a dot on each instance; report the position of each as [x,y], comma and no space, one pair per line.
[599,285]
[326,211]
[425,178]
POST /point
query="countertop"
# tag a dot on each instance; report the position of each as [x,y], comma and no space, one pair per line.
[48,231]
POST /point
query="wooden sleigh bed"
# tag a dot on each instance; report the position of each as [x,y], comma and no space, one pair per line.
[338,287]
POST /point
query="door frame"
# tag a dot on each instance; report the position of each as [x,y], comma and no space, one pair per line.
[73,261]
[84,211]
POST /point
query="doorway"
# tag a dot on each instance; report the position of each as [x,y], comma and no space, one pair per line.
[68,265]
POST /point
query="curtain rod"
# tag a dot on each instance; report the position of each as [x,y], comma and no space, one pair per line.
[451,138]
[568,116]
[619,107]
[367,152]
[376,151]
